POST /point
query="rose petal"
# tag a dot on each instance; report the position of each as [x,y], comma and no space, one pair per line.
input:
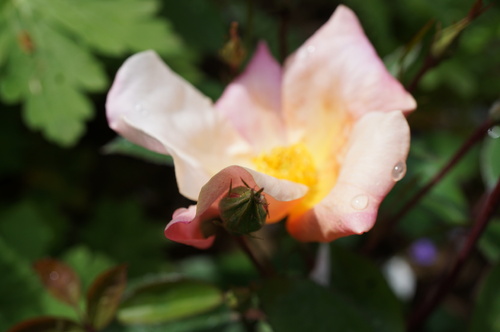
[186,225]
[152,106]
[378,142]
[252,102]
[282,195]
[336,74]
[184,229]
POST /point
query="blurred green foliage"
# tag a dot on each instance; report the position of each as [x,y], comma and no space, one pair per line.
[49,55]
[68,194]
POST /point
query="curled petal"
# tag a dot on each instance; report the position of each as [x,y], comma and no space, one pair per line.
[186,224]
[185,228]
[337,74]
[252,102]
[152,106]
[379,142]
[280,192]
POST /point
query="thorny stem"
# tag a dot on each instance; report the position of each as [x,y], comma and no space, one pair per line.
[428,305]
[264,270]
[390,223]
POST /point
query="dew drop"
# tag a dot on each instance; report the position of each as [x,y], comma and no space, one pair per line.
[360,202]
[494,132]
[398,171]
[54,275]
[139,107]
[310,49]
[305,52]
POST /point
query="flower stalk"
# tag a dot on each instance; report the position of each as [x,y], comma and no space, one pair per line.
[266,270]
[428,305]
[382,229]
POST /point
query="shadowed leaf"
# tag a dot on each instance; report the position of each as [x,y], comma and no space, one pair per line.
[47,324]
[165,300]
[60,280]
[302,305]
[104,296]
[359,282]
[485,317]
[120,145]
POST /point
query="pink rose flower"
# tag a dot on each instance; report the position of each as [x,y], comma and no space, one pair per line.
[325,136]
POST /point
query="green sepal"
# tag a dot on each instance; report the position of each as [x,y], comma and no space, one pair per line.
[243,210]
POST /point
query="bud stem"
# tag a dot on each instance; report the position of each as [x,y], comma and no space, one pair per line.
[265,271]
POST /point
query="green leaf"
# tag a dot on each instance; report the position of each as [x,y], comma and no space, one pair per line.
[446,204]
[104,295]
[47,324]
[489,243]
[446,36]
[60,280]
[58,110]
[164,300]
[87,264]
[220,319]
[46,49]
[123,220]
[193,19]
[363,285]
[114,26]
[486,314]
[120,145]
[25,231]
[20,288]
[302,305]
[490,158]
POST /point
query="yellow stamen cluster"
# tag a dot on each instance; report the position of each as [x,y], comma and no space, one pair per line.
[293,163]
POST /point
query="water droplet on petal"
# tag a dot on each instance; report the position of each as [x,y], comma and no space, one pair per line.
[398,171]
[310,49]
[494,132]
[305,52]
[54,275]
[360,202]
[139,107]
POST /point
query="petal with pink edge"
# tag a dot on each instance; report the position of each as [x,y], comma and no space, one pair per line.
[282,196]
[336,74]
[379,142]
[152,106]
[184,230]
[252,102]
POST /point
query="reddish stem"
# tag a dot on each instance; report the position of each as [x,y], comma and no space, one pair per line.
[386,227]
[264,270]
[429,304]
[432,61]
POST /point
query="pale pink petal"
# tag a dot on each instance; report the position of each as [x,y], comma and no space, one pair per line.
[152,106]
[184,230]
[378,143]
[282,196]
[252,102]
[336,74]
[276,191]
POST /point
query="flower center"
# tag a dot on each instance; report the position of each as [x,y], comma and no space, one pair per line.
[294,163]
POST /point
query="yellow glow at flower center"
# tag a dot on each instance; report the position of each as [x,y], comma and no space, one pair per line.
[293,163]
